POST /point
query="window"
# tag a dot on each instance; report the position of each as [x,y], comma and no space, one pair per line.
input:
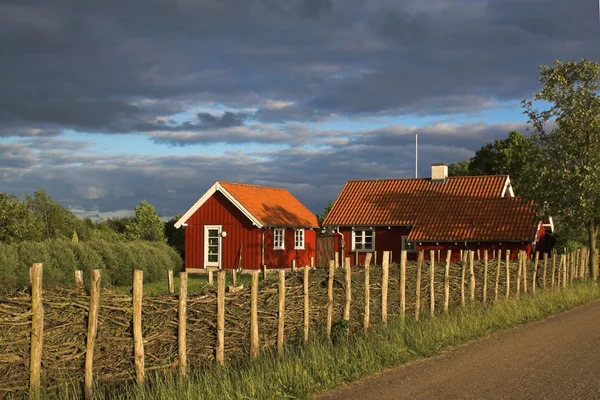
[363,240]
[409,247]
[278,243]
[299,239]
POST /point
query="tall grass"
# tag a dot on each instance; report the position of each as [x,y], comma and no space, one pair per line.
[307,370]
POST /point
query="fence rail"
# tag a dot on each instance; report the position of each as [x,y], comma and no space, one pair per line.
[51,337]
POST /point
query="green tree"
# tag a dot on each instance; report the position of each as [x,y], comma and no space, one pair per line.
[459,168]
[146,224]
[56,221]
[568,166]
[17,223]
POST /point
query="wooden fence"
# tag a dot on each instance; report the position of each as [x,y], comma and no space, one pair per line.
[103,336]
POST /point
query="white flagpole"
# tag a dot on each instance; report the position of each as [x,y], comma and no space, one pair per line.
[417,152]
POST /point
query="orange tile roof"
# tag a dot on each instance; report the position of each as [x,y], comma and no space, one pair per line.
[272,206]
[461,208]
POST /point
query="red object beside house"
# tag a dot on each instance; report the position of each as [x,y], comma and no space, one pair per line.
[439,213]
[239,226]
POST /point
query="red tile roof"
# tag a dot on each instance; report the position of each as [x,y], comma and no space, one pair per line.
[460,208]
[272,206]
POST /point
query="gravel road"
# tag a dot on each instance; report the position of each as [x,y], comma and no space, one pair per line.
[558,358]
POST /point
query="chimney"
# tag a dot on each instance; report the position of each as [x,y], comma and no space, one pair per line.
[439,172]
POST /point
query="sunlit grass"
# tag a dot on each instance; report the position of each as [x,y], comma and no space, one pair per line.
[321,365]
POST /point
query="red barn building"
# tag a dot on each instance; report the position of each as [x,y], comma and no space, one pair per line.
[246,226]
[437,213]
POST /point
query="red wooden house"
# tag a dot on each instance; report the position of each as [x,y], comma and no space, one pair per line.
[243,226]
[437,213]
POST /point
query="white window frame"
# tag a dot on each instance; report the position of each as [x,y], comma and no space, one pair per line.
[362,237]
[407,247]
[282,244]
[207,263]
[299,244]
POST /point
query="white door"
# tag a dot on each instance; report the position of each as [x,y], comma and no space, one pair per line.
[212,246]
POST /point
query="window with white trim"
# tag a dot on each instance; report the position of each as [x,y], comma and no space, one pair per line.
[407,246]
[363,240]
[278,239]
[299,239]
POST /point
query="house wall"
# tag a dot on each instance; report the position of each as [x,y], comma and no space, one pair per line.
[240,233]
[390,239]
[386,239]
[283,258]
[443,247]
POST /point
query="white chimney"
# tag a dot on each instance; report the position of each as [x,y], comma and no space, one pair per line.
[439,172]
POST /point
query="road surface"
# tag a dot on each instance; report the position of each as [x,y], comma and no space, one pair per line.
[558,358]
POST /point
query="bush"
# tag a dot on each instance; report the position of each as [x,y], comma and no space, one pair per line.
[62,257]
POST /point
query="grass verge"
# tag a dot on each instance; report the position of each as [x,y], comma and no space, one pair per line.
[308,370]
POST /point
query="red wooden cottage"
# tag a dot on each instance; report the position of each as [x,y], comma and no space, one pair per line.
[243,226]
[437,213]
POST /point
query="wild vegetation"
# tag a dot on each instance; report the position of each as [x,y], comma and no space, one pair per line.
[558,163]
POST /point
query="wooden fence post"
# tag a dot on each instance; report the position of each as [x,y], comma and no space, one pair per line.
[138,340]
[519,272]
[525,283]
[385,269]
[312,262]
[563,260]
[337,260]
[545,271]
[447,282]
[210,277]
[330,297]
[170,281]
[37,330]
[281,314]
[367,292]
[182,323]
[535,266]
[418,285]
[254,340]
[403,284]
[432,281]
[234,277]
[472,274]
[463,264]
[485,275]
[553,281]
[306,305]
[220,317]
[79,278]
[507,273]
[264,272]
[91,333]
[498,266]
[348,276]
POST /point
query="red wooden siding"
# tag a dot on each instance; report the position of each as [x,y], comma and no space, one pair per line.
[219,211]
[390,239]
[283,258]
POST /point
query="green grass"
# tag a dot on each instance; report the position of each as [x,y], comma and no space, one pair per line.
[308,370]
[197,283]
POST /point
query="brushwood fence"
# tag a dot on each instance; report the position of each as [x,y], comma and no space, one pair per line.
[76,339]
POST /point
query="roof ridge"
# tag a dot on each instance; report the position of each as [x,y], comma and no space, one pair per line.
[252,185]
[426,179]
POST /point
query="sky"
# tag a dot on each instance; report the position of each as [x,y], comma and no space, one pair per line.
[106,103]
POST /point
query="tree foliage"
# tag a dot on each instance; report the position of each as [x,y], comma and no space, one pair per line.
[510,156]
[146,224]
[567,138]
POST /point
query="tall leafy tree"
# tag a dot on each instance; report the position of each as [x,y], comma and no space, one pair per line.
[510,156]
[17,223]
[175,237]
[146,224]
[55,220]
[567,135]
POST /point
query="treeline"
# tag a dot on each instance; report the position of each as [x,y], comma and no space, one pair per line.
[37,217]
[34,228]
[62,257]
